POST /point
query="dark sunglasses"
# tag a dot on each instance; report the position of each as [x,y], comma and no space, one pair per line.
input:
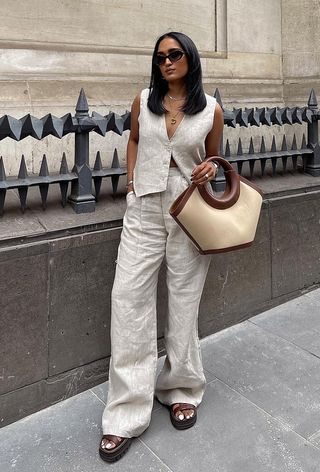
[174,56]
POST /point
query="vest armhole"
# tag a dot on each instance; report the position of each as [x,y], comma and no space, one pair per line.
[144,98]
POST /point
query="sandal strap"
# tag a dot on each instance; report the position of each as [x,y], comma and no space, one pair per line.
[182,407]
[115,439]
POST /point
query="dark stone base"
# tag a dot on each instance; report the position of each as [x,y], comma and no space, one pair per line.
[55,297]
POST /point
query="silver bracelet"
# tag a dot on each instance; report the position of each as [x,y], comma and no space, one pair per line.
[215,164]
[129,183]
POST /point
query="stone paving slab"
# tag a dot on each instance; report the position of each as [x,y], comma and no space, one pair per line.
[260,412]
[65,438]
[297,321]
[231,435]
[275,374]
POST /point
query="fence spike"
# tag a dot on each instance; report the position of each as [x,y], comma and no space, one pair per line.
[100,122]
[286,115]
[274,165]
[115,165]
[98,163]
[263,145]
[23,174]
[251,147]
[294,143]
[118,124]
[68,125]
[64,165]
[297,115]
[31,126]
[239,150]
[284,146]
[10,127]
[313,102]
[114,181]
[253,116]
[2,200]
[276,116]
[111,121]
[284,163]
[227,150]
[273,145]
[307,114]
[115,161]
[294,163]
[23,191]
[2,171]
[229,118]
[64,192]
[251,167]
[97,181]
[304,142]
[265,117]
[44,171]
[126,118]
[82,103]
[44,194]
[217,96]
[239,166]
[241,117]
[263,165]
[52,125]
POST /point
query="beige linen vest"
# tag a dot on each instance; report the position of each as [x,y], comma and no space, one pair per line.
[187,146]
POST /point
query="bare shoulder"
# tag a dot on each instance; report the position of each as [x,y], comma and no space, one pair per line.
[136,102]
[218,114]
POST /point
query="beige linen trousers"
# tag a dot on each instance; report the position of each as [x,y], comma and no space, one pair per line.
[150,234]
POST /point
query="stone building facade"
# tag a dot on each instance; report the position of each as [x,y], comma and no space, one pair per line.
[256,52]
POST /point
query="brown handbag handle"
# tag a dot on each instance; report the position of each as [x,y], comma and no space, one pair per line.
[232,191]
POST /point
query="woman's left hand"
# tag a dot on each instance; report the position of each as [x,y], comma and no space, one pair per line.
[203,173]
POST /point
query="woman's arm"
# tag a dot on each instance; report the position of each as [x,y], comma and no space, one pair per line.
[132,146]
[212,149]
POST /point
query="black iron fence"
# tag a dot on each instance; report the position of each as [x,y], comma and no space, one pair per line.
[83,179]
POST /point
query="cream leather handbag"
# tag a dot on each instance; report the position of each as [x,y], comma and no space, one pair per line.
[219,224]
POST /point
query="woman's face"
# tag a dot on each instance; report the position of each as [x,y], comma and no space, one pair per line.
[170,70]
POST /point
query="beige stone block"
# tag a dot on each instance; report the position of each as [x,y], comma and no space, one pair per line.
[245,93]
[108,23]
[14,93]
[297,92]
[300,38]
[44,64]
[254,26]
[244,65]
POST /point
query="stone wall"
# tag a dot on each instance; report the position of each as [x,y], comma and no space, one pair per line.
[50,49]
[257,53]
[55,295]
[301,48]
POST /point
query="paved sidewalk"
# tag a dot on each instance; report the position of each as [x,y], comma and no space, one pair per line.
[260,412]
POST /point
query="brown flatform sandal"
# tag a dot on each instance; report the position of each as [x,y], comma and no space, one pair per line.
[185,423]
[114,454]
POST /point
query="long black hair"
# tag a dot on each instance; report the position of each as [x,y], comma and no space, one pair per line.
[196,100]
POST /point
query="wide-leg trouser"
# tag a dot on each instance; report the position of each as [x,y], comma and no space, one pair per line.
[149,234]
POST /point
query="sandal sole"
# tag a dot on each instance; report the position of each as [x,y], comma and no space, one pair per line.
[115,455]
[180,424]
[183,424]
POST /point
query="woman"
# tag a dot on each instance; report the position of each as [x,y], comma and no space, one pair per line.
[174,127]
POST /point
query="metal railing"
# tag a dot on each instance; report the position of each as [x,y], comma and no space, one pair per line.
[82,178]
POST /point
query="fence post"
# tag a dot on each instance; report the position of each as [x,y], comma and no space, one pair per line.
[313,164]
[218,184]
[81,197]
